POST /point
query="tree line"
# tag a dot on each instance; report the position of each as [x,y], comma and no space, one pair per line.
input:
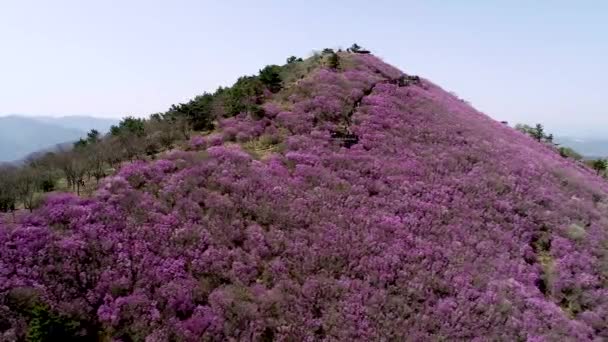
[96,155]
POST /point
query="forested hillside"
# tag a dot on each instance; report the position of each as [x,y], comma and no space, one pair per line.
[331,198]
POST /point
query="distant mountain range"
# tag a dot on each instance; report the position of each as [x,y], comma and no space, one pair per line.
[588,147]
[22,135]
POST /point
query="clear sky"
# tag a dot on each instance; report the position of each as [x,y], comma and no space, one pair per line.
[521,61]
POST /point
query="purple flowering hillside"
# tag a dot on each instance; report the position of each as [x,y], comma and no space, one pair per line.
[361,203]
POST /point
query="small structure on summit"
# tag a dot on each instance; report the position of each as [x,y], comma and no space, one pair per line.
[355,48]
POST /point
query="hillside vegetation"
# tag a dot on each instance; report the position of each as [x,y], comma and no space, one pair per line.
[332,198]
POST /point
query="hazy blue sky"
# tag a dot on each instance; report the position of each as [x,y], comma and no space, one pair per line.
[521,61]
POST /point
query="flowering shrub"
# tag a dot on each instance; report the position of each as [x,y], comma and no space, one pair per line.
[439,223]
[242,128]
[197,143]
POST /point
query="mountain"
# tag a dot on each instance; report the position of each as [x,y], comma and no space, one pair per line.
[80,122]
[22,135]
[588,147]
[347,201]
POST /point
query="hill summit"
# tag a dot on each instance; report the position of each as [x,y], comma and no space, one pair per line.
[356,203]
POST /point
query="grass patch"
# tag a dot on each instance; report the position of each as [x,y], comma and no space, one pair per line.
[263,146]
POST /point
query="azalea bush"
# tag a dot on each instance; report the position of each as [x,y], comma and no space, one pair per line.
[438,224]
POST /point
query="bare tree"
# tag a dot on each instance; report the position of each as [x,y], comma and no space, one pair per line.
[96,157]
[75,166]
[26,184]
[8,195]
[80,167]
[45,169]
[112,151]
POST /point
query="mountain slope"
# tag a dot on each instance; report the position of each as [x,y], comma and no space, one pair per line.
[21,136]
[364,204]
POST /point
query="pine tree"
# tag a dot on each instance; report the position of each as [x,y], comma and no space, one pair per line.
[334,61]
